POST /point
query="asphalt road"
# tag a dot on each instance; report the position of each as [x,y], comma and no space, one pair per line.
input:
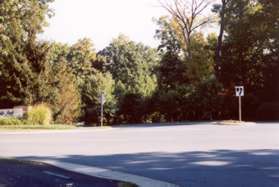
[200,155]
[32,174]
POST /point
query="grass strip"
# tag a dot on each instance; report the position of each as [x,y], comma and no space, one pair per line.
[37,127]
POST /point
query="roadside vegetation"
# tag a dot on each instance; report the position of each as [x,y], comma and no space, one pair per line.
[36,127]
[191,75]
[37,117]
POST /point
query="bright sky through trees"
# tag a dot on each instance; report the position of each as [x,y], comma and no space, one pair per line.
[103,20]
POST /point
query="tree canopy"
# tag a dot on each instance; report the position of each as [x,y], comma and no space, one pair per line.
[191,75]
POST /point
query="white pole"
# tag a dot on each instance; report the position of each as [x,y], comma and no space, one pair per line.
[102,114]
[102,110]
[240,109]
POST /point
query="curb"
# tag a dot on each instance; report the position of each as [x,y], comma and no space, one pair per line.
[109,174]
[69,131]
[233,123]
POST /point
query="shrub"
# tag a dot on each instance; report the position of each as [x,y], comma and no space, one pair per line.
[39,115]
[6,121]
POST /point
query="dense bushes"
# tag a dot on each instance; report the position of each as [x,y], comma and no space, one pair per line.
[39,115]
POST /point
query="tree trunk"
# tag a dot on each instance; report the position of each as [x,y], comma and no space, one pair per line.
[218,52]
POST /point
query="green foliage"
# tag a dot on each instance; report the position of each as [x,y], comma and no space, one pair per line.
[250,52]
[9,121]
[33,72]
[200,67]
[94,86]
[20,22]
[61,91]
[177,82]
[65,99]
[187,87]
[167,34]
[26,126]
[80,57]
[39,115]
[132,66]
[132,109]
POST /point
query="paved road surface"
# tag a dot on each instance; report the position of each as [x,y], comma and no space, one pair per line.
[32,174]
[197,155]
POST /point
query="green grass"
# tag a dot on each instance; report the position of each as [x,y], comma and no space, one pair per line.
[36,127]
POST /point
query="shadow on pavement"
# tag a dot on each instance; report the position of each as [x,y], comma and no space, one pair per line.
[220,168]
[174,124]
[14,173]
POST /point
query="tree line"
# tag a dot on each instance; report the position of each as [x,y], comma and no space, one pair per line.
[191,75]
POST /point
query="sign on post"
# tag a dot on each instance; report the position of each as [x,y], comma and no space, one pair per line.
[239,92]
[102,99]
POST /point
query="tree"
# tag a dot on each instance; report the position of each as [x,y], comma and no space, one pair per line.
[180,78]
[187,70]
[80,58]
[96,84]
[223,11]
[65,99]
[249,52]
[132,66]
[53,82]
[189,17]
[169,37]
[20,22]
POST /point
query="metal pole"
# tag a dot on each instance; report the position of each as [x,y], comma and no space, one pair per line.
[240,109]
[102,113]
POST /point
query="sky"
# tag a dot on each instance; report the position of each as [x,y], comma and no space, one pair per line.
[103,20]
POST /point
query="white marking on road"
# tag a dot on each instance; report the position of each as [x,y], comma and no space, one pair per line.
[212,163]
[57,175]
[108,174]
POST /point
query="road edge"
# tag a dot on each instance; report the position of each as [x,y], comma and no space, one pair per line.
[108,174]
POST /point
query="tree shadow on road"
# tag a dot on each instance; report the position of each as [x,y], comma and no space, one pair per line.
[170,124]
[258,168]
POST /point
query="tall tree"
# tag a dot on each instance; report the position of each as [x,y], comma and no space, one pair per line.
[249,51]
[65,98]
[180,78]
[20,22]
[132,66]
[222,10]
[189,15]
[189,70]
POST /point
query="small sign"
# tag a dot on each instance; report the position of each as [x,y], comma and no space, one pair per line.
[15,112]
[103,99]
[239,91]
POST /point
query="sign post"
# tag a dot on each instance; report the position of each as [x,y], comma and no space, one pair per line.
[102,101]
[239,92]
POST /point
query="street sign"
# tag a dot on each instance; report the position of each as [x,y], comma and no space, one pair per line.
[239,91]
[102,99]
